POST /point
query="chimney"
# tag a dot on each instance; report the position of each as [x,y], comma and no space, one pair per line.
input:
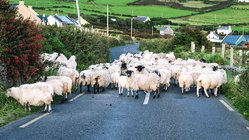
[43,15]
[21,2]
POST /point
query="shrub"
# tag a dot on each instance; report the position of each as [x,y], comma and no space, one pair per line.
[20,45]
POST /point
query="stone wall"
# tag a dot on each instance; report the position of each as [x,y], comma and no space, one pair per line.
[3,74]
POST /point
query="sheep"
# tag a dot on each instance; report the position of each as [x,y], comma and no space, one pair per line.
[185,81]
[71,62]
[147,82]
[170,57]
[71,73]
[115,77]
[33,94]
[100,78]
[61,59]
[237,78]
[66,88]
[211,80]
[85,79]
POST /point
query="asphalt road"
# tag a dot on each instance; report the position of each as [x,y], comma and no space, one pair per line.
[107,116]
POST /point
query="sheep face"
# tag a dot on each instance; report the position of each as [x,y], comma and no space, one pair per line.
[123,65]
[139,68]
[8,93]
[157,73]
[129,73]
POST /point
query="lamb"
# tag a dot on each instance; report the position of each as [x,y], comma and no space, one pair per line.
[115,77]
[185,81]
[33,94]
[124,81]
[211,80]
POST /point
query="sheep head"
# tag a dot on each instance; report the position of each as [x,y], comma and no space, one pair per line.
[139,68]
[129,73]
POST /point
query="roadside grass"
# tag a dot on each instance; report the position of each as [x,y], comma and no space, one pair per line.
[237,94]
[196,4]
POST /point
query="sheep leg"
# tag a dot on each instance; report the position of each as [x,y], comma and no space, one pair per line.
[136,97]
[81,87]
[66,97]
[119,91]
[25,107]
[205,90]
[103,89]
[98,88]
[215,92]
[29,107]
[45,109]
[182,90]
[49,108]
[154,96]
[197,91]
[122,90]
[88,88]
[128,92]
[158,93]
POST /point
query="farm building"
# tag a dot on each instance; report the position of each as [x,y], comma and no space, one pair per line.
[213,37]
[82,21]
[60,21]
[27,12]
[224,30]
[142,18]
[237,41]
[44,19]
[247,1]
[166,30]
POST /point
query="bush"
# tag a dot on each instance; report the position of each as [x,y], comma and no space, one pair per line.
[89,48]
[20,46]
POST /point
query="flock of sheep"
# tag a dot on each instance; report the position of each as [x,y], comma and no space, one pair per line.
[144,71]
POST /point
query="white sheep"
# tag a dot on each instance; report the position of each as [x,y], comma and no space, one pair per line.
[185,81]
[33,94]
[211,80]
[71,73]
[71,62]
[59,89]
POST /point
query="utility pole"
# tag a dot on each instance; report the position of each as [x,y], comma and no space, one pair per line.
[131,22]
[243,31]
[107,20]
[152,31]
[78,10]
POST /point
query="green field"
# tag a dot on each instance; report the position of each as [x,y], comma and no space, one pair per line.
[225,16]
[99,7]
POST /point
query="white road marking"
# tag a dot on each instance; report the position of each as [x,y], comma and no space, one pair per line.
[147,97]
[247,128]
[34,120]
[76,97]
[226,105]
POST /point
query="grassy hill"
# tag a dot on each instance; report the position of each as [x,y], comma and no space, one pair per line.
[117,7]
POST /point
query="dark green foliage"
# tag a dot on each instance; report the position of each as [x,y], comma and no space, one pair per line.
[238,93]
[89,48]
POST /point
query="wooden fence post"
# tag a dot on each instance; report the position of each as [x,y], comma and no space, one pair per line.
[192,47]
[240,57]
[203,49]
[223,48]
[231,56]
[213,50]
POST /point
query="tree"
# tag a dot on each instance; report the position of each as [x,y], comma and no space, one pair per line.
[20,45]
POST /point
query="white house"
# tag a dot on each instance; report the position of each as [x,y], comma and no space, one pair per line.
[224,30]
[247,1]
[166,30]
[54,21]
[213,37]
[142,18]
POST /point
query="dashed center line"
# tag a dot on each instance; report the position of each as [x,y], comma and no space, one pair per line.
[226,105]
[34,120]
[76,97]
[146,100]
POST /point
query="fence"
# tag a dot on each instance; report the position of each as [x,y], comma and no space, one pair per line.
[236,56]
